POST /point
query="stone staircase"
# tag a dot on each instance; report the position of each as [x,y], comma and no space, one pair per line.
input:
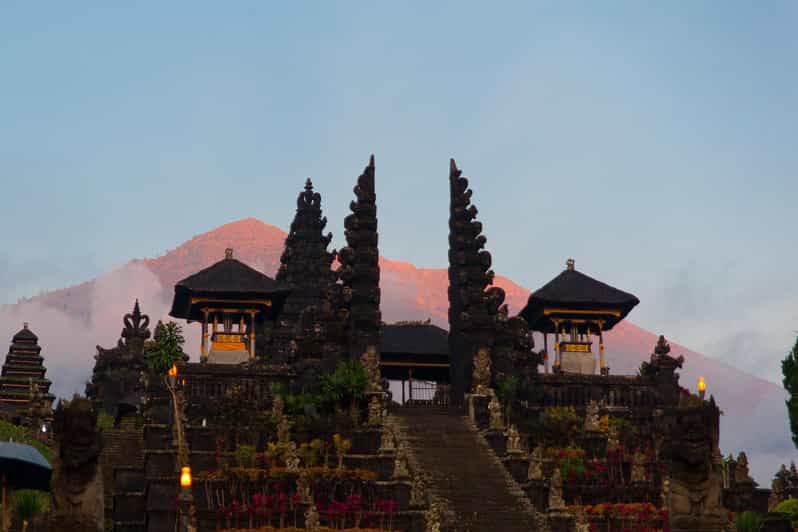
[461,472]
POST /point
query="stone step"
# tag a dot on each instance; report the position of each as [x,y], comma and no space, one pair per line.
[462,471]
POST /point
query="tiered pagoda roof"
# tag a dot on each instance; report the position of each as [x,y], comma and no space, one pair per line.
[22,379]
[572,293]
[227,281]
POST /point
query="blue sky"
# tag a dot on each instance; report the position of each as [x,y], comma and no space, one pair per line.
[656,144]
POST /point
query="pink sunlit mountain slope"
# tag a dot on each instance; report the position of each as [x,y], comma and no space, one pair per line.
[71,321]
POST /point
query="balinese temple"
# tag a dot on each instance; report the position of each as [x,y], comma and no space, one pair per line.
[576,310]
[23,386]
[232,301]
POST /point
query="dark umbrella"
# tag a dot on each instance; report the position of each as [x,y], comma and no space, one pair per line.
[22,467]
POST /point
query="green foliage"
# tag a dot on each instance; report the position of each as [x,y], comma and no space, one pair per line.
[28,504]
[11,432]
[507,391]
[623,428]
[789,507]
[789,369]
[167,348]
[244,456]
[560,424]
[345,385]
[748,522]
[104,421]
[572,468]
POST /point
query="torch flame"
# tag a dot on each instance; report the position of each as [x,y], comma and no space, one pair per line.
[185,477]
[173,371]
[702,386]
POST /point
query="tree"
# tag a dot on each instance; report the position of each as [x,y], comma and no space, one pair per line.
[789,368]
[167,349]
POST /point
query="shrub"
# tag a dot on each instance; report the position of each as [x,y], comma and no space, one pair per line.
[11,432]
[29,504]
[789,507]
[345,385]
[748,522]
[244,456]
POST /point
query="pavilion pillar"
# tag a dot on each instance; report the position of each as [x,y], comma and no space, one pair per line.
[410,384]
[204,348]
[252,336]
[601,351]
[556,346]
[545,352]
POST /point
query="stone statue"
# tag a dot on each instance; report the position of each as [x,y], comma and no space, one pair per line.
[375,412]
[400,470]
[77,483]
[592,421]
[278,407]
[639,467]
[535,471]
[312,519]
[696,484]
[303,489]
[513,440]
[581,523]
[371,363]
[417,491]
[432,517]
[292,458]
[665,494]
[741,475]
[283,430]
[387,440]
[480,379]
[495,411]
[556,501]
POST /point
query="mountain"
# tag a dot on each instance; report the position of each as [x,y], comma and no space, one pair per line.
[71,321]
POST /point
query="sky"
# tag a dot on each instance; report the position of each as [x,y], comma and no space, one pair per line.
[654,144]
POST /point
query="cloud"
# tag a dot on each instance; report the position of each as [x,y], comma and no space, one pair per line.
[69,342]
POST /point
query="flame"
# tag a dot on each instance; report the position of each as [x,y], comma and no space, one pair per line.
[173,371]
[185,477]
[702,386]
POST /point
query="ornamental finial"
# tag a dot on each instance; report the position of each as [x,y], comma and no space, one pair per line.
[309,185]
[25,325]
[228,253]
[570,264]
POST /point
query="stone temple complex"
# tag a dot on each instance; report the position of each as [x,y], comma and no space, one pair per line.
[303,409]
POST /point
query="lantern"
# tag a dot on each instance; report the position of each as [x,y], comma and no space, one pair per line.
[702,387]
[185,477]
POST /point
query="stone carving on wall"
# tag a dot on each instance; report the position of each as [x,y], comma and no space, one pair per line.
[741,475]
[371,363]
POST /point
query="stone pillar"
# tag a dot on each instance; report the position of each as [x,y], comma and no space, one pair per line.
[252,336]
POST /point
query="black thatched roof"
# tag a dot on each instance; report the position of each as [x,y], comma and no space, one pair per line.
[575,290]
[25,334]
[228,278]
[414,338]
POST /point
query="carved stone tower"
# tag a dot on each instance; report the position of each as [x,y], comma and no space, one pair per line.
[473,310]
[305,267]
[360,270]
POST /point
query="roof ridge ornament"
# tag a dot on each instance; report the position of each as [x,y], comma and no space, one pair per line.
[228,253]
[570,265]
[309,185]
[25,325]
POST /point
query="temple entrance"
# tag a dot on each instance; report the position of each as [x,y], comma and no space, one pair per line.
[415,362]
